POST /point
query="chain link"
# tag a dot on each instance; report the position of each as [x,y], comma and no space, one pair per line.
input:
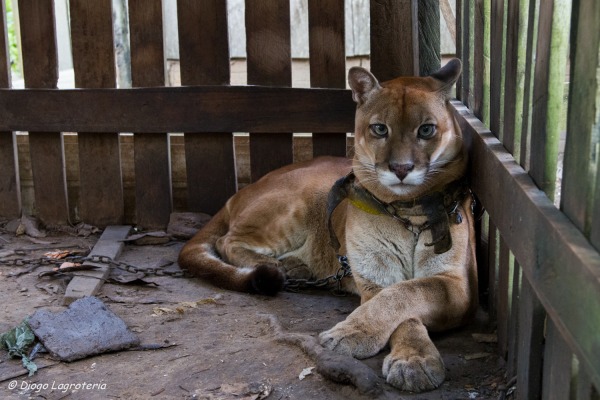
[294,285]
[20,262]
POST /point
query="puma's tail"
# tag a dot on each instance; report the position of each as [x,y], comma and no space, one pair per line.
[200,257]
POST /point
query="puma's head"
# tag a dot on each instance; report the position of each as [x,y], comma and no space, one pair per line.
[406,139]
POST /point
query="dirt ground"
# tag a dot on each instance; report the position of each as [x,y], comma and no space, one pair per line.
[222,347]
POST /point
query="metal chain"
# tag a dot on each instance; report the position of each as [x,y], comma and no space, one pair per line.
[293,285]
[20,262]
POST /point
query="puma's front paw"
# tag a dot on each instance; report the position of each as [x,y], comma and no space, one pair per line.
[356,340]
[414,373]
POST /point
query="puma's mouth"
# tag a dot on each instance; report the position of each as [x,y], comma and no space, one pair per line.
[389,179]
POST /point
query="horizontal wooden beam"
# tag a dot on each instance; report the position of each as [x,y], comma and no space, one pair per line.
[558,261]
[178,109]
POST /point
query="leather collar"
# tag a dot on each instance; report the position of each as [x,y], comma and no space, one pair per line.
[437,206]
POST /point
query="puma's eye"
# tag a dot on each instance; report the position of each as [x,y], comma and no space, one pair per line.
[426,131]
[379,129]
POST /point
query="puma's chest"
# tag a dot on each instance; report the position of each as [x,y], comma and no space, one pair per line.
[383,251]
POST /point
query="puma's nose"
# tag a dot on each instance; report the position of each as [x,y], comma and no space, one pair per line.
[401,170]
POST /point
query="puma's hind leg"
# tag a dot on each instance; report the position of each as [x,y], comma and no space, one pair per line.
[266,274]
[414,363]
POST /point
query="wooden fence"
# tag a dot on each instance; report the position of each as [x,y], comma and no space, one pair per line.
[539,265]
[542,261]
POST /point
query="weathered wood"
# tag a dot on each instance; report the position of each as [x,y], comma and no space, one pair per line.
[101,186]
[478,59]
[467,56]
[562,266]
[579,166]
[511,138]
[394,38]
[179,109]
[152,157]
[460,51]
[503,298]
[557,366]
[496,65]
[584,389]
[269,63]
[513,323]
[446,11]
[88,283]
[493,272]
[428,20]
[327,63]
[10,191]
[529,68]
[204,53]
[40,70]
[550,68]
[531,340]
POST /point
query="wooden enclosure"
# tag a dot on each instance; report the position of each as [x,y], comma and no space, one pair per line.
[539,263]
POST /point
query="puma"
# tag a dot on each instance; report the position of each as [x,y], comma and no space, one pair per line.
[399,211]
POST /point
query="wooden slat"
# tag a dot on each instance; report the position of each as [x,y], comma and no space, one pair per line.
[557,366]
[511,138]
[530,347]
[268,50]
[496,65]
[584,389]
[88,283]
[478,59]
[179,109]
[493,272]
[460,51]
[467,34]
[40,70]
[10,191]
[530,47]
[550,68]
[513,323]
[394,38]
[327,62]
[101,186]
[503,298]
[428,20]
[152,157]
[204,58]
[579,164]
[562,266]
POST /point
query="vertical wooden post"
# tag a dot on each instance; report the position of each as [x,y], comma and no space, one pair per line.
[10,191]
[548,90]
[40,69]
[101,185]
[204,56]
[327,63]
[152,156]
[429,36]
[394,38]
[268,50]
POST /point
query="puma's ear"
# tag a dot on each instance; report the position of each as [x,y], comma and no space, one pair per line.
[362,83]
[449,73]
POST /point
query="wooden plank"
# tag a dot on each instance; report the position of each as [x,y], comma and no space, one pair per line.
[513,322]
[478,59]
[178,109]
[531,341]
[493,273]
[467,34]
[460,50]
[428,22]
[584,389]
[511,138]
[394,38]
[550,68]
[562,266]
[152,157]
[40,70]
[268,51]
[327,63]
[530,47]
[503,298]
[101,186]
[10,190]
[557,366]
[204,60]
[580,165]
[88,283]
[496,65]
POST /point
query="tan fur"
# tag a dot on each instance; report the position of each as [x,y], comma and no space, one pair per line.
[277,227]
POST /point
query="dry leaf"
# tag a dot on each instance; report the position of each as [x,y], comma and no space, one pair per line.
[305,372]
